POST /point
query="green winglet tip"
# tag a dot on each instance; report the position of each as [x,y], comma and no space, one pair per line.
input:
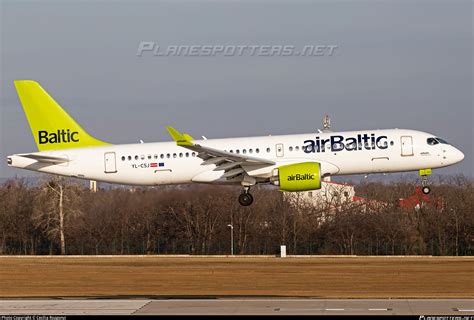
[180,138]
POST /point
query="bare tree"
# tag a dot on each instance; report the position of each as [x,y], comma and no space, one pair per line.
[56,203]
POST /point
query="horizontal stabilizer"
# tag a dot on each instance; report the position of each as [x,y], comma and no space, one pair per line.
[45,159]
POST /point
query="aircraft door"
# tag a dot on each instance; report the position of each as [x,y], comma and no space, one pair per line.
[407,146]
[279,150]
[110,163]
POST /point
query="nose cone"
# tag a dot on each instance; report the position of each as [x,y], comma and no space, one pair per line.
[457,155]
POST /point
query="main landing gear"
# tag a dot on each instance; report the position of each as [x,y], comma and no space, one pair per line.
[424,173]
[245,198]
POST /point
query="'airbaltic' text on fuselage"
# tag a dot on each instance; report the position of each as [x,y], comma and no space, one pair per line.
[338,143]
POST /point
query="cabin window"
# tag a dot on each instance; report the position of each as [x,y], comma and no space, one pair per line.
[142,157]
[168,155]
[290,148]
[162,156]
[194,154]
[136,157]
[187,154]
[268,150]
[180,154]
[174,155]
[244,151]
[237,151]
[297,148]
[129,158]
[123,158]
[250,150]
[257,150]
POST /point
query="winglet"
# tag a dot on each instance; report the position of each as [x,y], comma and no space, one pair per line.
[182,139]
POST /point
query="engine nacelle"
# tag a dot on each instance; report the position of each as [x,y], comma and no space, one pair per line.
[298,176]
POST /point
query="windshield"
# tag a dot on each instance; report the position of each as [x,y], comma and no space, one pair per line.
[442,140]
[433,141]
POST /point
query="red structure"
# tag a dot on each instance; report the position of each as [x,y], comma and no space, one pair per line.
[419,199]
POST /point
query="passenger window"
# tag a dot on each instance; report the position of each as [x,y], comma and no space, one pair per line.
[168,155]
[174,155]
[136,157]
[257,150]
[142,157]
[155,156]
[123,158]
[268,149]
[231,151]
[194,154]
[244,151]
[162,156]
[180,154]
[250,151]
[290,148]
[237,151]
[187,154]
[129,158]
[297,148]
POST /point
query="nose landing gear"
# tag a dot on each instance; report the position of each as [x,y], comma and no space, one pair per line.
[245,198]
[424,173]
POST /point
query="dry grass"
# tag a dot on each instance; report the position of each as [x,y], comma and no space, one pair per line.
[158,276]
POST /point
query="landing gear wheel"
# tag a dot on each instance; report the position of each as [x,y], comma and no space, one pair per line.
[426,190]
[424,173]
[245,199]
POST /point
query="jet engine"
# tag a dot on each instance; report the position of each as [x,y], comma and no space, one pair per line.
[298,176]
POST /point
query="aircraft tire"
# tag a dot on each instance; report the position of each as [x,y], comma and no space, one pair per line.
[245,199]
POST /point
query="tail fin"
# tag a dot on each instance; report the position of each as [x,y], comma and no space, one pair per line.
[51,126]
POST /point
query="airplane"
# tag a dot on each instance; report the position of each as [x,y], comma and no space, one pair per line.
[297,162]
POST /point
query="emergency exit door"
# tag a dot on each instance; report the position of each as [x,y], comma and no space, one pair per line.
[110,164]
[407,146]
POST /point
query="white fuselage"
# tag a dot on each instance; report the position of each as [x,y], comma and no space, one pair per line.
[350,152]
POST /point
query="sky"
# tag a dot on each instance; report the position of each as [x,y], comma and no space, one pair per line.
[396,64]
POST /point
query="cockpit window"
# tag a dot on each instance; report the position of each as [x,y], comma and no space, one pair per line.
[432,141]
[442,141]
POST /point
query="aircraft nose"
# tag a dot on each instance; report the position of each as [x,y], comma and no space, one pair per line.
[457,155]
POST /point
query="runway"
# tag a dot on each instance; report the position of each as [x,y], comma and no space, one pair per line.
[240,306]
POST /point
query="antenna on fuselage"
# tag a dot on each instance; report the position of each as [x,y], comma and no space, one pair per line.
[326,124]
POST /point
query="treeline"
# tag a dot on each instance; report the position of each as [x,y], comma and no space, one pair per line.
[60,216]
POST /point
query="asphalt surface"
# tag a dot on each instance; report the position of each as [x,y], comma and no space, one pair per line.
[240,306]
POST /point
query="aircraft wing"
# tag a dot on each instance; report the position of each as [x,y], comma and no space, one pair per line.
[44,158]
[232,164]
